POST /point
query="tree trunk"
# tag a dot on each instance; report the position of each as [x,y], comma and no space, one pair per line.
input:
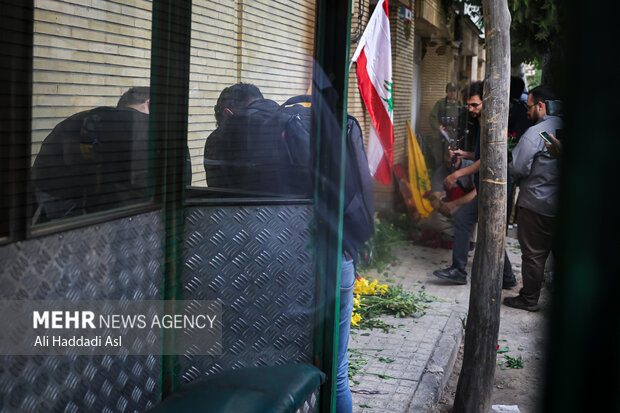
[546,77]
[475,384]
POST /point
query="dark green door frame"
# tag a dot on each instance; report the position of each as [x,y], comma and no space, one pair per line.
[332,30]
[170,59]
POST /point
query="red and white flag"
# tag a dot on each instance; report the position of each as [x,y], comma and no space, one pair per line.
[374,77]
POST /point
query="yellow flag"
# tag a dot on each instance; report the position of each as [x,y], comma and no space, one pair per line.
[418,176]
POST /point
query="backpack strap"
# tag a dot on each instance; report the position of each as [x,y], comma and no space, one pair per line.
[298,99]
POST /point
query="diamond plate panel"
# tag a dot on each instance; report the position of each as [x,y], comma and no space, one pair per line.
[309,405]
[257,262]
[118,260]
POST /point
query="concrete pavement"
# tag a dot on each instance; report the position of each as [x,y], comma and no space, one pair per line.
[405,369]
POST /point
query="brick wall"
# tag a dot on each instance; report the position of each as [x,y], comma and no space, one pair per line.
[437,71]
[214,61]
[86,56]
[402,62]
[267,43]
[355,105]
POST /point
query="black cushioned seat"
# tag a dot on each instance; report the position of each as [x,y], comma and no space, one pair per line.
[255,389]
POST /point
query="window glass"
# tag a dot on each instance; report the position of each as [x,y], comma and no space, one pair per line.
[247,60]
[90,107]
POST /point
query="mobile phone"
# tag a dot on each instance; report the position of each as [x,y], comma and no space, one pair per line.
[546,137]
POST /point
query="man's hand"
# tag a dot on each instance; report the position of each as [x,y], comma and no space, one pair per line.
[447,208]
[434,198]
[463,154]
[451,179]
[554,148]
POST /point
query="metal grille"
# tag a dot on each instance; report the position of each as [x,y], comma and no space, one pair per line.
[258,263]
[119,260]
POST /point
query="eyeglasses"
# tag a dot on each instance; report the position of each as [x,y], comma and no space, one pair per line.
[529,107]
[474,105]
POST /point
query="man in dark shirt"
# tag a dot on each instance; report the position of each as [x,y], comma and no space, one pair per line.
[518,121]
[467,216]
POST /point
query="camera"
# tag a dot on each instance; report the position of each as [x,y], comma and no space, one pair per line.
[554,107]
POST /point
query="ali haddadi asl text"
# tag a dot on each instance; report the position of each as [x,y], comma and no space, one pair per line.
[78,341]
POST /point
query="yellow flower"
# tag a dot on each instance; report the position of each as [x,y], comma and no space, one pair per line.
[360,285]
[355,318]
[357,301]
[363,287]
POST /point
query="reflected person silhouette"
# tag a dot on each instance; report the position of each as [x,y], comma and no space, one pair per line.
[94,160]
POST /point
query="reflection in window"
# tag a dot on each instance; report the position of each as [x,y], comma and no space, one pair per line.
[94,160]
[91,71]
[246,62]
[258,145]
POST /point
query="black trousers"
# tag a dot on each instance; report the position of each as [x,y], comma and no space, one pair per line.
[535,233]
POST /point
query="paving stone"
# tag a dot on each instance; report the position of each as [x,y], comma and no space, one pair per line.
[413,342]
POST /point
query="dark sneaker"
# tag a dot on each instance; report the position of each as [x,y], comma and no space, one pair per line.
[452,275]
[509,282]
[520,303]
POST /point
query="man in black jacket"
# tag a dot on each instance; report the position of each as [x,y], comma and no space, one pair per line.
[231,100]
[94,160]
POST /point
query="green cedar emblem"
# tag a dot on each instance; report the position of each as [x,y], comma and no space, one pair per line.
[390,100]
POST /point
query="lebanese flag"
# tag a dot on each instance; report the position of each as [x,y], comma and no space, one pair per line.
[374,77]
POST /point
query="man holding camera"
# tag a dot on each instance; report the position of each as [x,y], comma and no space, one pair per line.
[467,216]
[538,176]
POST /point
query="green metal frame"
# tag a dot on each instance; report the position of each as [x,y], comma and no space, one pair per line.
[171,35]
[170,60]
[332,55]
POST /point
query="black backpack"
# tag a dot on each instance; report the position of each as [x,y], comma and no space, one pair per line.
[98,158]
[359,210]
[117,139]
[266,148]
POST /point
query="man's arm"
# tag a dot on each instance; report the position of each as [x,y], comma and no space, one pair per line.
[450,206]
[523,157]
[451,179]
